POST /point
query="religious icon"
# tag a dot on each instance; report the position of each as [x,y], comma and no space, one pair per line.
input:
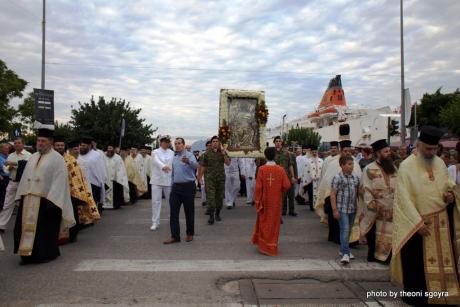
[242,119]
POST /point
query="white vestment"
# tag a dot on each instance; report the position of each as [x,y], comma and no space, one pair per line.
[301,161]
[248,170]
[116,171]
[142,168]
[232,181]
[312,174]
[93,167]
[46,176]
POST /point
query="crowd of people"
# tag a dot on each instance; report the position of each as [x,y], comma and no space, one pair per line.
[402,203]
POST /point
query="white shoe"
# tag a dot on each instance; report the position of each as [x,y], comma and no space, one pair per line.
[345,259]
[351,256]
[154,227]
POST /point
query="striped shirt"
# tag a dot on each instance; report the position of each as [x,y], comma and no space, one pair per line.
[347,192]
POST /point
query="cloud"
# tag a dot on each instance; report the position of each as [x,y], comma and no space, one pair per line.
[172,58]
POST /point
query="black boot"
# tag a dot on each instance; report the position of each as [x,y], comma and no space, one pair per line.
[211,217]
[218,215]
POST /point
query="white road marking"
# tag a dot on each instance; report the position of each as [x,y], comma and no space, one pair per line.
[138,265]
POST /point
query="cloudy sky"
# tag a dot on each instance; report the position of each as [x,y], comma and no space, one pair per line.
[171,58]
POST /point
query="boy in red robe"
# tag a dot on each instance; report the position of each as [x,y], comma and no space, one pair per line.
[271,182]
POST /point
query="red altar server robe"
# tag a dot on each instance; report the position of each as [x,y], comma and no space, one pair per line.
[271,182]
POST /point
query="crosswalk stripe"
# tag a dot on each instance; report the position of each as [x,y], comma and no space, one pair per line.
[139,265]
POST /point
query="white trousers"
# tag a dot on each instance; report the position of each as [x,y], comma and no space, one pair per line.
[203,192]
[8,205]
[157,193]
[250,186]
[297,189]
[232,187]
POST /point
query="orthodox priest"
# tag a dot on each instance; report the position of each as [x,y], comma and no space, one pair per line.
[93,166]
[81,197]
[426,226]
[312,174]
[148,170]
[117,193]
[136,185]
[323,200]
[141,165]
[45,203]
[379,183]
[272,181]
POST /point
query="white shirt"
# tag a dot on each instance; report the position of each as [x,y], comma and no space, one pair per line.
[160,159]
[23,155]
[248,167]
[233,167]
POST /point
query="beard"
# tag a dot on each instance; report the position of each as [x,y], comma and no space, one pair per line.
[388,165]
[427,160]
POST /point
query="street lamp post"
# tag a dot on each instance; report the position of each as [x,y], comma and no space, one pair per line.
[43,44]
[403,106]
[282,127]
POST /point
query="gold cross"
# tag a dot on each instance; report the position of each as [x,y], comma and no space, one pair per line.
[270,179]
[432,260]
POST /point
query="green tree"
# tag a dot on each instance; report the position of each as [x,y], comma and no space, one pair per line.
[26,111]
[431,106]
[66,130]
[11,86]
[303,136]
[102,121]
[450,116]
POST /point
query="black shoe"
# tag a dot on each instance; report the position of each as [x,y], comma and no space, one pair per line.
[211,218]
[292,214]
[218,216]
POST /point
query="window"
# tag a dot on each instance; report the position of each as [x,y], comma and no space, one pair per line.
[340,97]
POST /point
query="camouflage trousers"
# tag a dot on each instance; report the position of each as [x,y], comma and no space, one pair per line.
[215,189]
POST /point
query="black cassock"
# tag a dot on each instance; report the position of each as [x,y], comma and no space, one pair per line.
[132,192]
[46,235]
[118,195]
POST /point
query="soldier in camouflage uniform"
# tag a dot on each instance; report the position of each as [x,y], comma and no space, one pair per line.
[284,159]
[212,166]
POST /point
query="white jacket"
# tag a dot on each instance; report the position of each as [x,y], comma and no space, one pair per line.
[160,159]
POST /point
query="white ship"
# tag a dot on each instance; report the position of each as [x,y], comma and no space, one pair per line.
[366,125]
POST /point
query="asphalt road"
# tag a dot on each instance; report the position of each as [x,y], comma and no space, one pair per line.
[121,262]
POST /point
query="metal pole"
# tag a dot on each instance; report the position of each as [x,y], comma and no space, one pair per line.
[282,128]
[388,130]
[43,44]
[403,107]
[415,130]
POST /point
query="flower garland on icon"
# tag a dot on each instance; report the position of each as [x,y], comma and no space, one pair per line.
[224,133]
[262,113]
